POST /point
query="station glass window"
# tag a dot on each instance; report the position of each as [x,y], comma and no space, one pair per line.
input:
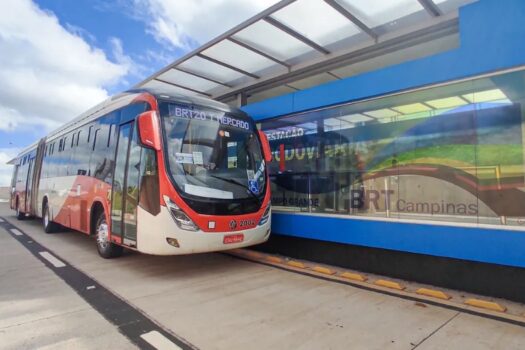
[450,153]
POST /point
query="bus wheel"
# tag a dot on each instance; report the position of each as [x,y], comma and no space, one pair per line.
[49,226]
[19,214]
[105,248]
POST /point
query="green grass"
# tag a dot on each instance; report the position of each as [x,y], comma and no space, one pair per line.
[460,156]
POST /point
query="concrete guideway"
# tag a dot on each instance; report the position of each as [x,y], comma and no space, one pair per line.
[494,308]
[216,301]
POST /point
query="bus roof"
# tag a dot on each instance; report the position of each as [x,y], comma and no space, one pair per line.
[123,99]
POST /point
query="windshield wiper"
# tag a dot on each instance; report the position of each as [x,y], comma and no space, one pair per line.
[235,182]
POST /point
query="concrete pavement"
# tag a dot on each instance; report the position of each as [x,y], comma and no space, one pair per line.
[38,310]
[216,301]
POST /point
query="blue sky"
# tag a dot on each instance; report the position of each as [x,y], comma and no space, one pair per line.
[99,22]
[65,56]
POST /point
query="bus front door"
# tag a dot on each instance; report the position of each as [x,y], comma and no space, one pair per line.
[125,191]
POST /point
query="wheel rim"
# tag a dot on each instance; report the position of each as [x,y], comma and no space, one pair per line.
[102,235]
[46,217]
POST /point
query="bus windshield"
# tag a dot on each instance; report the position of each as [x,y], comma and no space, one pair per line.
[212,154]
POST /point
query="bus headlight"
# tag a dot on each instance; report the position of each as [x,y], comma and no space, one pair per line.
[179,216]
[266,215]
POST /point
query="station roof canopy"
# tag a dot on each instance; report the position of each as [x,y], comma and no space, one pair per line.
[296,44]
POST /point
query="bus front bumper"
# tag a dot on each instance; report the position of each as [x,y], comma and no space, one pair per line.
[159,235]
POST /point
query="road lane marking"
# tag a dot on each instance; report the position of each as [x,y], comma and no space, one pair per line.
[54,261]
[16,232]
[158,341]
[131,322]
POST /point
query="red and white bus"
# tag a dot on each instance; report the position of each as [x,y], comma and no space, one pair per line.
[152,171]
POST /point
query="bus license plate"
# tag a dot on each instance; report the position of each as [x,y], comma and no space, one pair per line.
[237,238]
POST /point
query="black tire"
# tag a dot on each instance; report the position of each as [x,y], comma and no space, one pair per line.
[48,225]
[106,249]
[19,214]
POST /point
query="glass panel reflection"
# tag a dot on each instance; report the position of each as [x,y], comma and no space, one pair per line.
[374,13]
[238,56]
[450,153]
[273,41]
[188,80]
[324,25]
[210,69]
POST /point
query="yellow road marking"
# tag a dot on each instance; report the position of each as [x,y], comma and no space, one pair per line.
[354,276]
[433,293]
[274,259]
[253,255]
[324,270]
[485,304]
[296,264]
[389,284]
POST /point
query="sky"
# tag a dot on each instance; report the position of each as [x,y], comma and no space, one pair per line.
[58,58]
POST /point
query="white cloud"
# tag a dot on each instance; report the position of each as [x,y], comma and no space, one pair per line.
[48,74]
[131,66]
[81,32]
[6,154]
[9,118]
[184,23]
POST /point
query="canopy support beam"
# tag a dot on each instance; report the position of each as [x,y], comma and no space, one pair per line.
[431,7]
[182,87]
[220,63]
[241,99]
[183,70]
[259,52]
[339,8]
[296,35]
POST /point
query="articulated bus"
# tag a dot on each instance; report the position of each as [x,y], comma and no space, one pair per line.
[152,171]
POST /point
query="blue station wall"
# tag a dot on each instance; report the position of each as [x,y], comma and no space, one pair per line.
[491,39]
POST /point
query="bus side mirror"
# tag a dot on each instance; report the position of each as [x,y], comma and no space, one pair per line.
[267,152]
[149,132]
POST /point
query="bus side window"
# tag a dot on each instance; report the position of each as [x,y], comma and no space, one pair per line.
[13,178]
[22,175]
[81,154]
[65,158]
[53,169]
[90,130]
[130,112]
[109,134]
[94,139]
[149,196]
[74,155]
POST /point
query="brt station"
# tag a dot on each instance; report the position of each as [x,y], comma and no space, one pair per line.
[397,187]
